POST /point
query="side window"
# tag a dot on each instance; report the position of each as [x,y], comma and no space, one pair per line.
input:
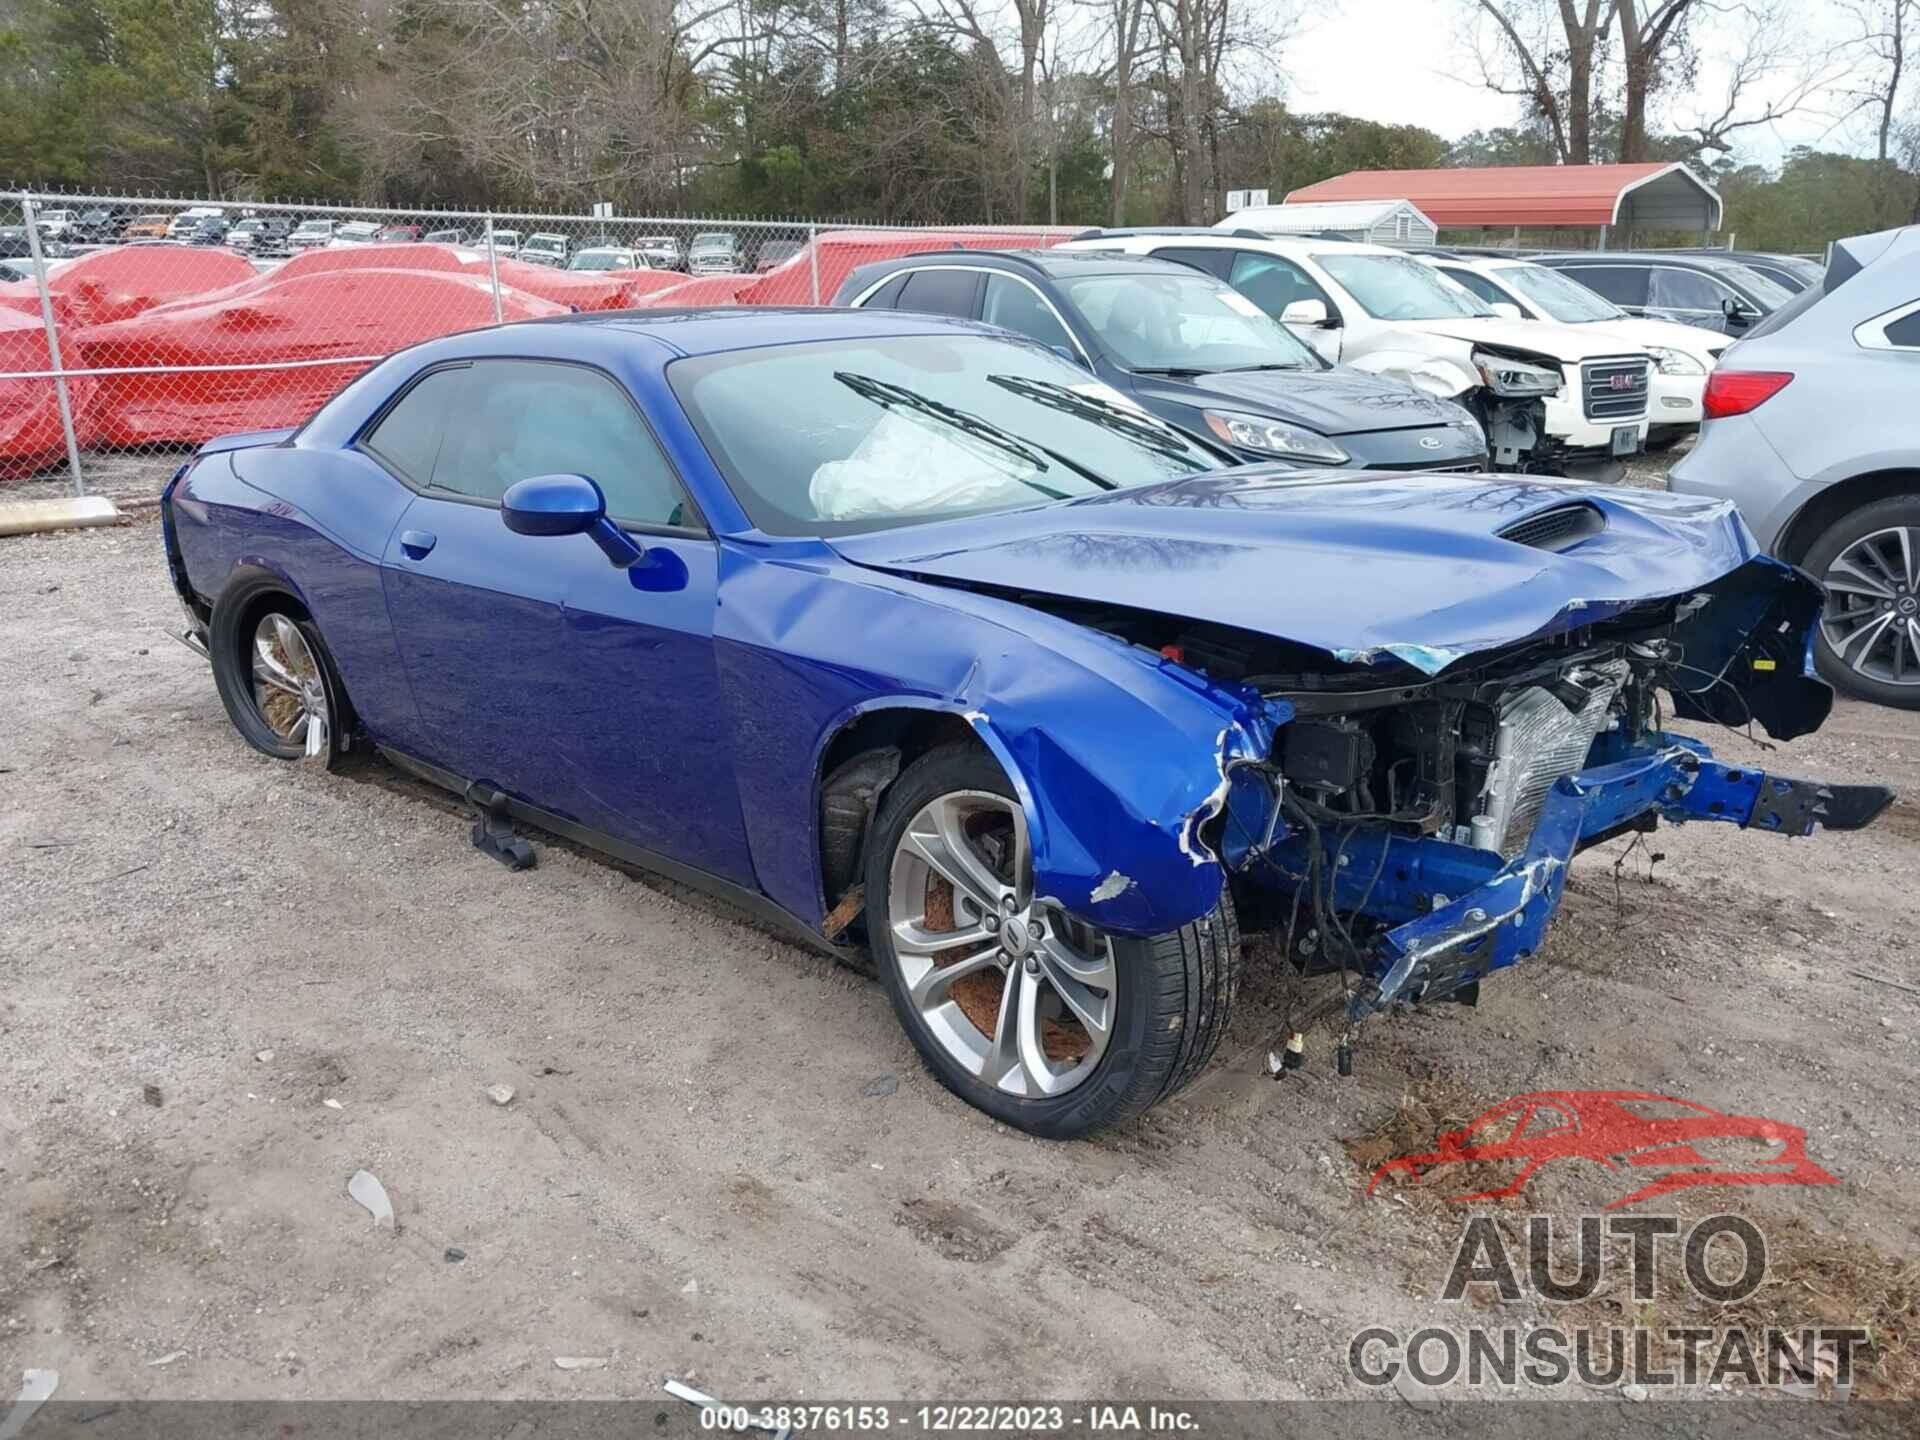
[1685,290]
[887,297]
[1273,283]
[941,292]
[1016,306]
[407,439]
[1622,284]
[1479,285]
[1904,333]
[1214,262]
[521,418]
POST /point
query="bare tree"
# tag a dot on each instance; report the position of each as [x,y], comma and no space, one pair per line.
[1883,32]
[1546,53]
[1129,47]
[1653,42]
[1772,72]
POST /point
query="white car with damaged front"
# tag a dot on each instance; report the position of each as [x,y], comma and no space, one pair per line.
[1682,354]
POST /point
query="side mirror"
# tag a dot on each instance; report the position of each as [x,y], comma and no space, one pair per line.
[1306,312]
[1738,312]
[1506,309]
[567,505]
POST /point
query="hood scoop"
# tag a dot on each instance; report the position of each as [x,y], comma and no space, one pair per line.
[1556,529]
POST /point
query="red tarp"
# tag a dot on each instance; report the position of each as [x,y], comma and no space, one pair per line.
[841,252]
[844,251]
[337,313]
[577,289]
[30,434]
[702,290]
[111,285]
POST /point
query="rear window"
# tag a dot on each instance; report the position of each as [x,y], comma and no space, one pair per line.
[1777,320]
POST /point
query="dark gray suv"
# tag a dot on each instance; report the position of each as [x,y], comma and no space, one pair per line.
[1188,348]
[1695,289]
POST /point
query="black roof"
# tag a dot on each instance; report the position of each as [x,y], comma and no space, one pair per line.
[1690,259]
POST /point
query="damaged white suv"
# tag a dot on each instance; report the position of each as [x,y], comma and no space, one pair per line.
[1552,397]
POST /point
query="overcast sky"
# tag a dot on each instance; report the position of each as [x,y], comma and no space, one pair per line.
[1403,62]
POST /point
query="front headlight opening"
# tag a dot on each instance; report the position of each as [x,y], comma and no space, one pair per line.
[1675,362]
[1274,437]
[1506,376]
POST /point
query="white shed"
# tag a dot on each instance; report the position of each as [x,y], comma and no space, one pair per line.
[1377,222]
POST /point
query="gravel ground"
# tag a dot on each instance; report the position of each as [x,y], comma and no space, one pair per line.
[226,984]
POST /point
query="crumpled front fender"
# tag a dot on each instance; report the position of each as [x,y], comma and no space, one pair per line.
[1119,757]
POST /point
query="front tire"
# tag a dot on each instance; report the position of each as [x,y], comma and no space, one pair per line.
[1019,1009]
[1868,643]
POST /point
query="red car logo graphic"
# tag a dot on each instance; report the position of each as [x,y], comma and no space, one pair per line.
[1623,1130]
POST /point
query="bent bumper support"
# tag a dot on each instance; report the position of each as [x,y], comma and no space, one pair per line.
[1463,913]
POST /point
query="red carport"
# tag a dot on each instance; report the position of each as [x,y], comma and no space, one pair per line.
[1539,197]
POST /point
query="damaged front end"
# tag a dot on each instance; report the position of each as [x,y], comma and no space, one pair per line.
[1413,830]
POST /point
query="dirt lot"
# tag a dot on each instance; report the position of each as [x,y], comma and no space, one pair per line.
[227,984]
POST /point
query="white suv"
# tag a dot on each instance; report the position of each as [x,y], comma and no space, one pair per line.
[1682,354]
[1550,396]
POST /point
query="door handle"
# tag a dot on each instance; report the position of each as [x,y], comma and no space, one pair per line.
[415,544]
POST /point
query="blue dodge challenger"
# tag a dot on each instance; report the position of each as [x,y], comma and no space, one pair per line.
[933,651]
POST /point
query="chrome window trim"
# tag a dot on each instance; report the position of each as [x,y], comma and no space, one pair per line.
[1871,334]
[861,299]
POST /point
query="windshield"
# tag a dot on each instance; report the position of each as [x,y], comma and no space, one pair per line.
[546,242]
[1770,293]
[1558,296]
[850,435]
[1398,287]
[315,227]
[601,260]
[712,242]
[1184,323]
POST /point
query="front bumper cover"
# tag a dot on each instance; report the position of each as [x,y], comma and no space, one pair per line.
[1457,914]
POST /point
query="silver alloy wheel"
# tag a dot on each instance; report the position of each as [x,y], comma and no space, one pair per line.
[287,688]
[1872,617]
[1018,993]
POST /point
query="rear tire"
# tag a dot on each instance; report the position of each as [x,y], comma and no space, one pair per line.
[275,676]
[1868,641]
[1166,1001]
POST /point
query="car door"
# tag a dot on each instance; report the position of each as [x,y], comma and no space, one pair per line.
[1688,296]
[581,688]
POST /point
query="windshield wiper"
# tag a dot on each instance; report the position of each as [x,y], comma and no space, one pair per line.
[1172,372]
[889,396]
[1140,429]
[1268,365]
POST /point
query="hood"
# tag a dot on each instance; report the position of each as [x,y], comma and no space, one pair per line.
[1534,337]
[1360,565]
[1332,402]
[1634,333]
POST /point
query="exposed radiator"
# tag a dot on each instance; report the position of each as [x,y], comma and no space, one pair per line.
[1539,740]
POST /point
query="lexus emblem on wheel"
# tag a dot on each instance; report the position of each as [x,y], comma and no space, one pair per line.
[1429,442]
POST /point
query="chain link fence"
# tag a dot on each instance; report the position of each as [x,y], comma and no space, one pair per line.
[133,329]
